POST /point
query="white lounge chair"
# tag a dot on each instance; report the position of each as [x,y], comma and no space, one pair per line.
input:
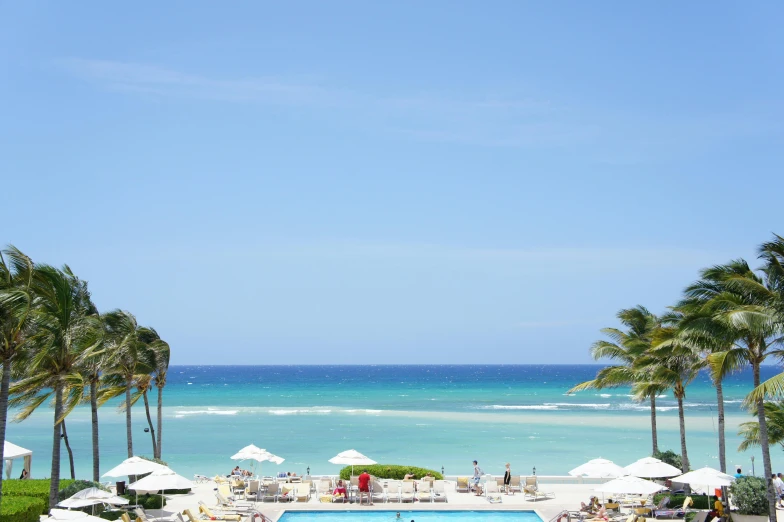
[439,494]
[424,491]
[271,495]
[377,492]
[492,492]
[393,491]
[252,491]
[301,492]
[407,491]
[532,491]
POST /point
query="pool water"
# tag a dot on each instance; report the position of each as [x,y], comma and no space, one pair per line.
[408,516]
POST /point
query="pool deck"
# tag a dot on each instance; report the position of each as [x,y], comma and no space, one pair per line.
[567,496]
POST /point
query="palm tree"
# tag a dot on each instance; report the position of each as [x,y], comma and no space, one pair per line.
[774,419]
[64,328]
[129,357]
[161,350]
[672,365]
[705,335]
[626,348]
[16,302]
[746,307]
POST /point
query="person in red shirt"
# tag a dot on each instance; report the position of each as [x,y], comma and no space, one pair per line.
[364,481]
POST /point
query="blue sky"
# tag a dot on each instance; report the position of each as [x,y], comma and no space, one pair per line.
[368,182]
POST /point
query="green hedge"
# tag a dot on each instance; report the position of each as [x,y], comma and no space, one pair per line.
[20,509]
[111,515]
[147,501]
[37,488]
[676,501]
[390,471]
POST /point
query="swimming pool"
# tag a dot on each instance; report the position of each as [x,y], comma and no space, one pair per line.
[408,516]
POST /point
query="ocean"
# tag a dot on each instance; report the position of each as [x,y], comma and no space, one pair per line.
[430,416]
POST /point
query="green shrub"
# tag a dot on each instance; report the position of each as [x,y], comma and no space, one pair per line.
[37,488]
[76,486]
[750,495]
[20,509]
[390,471]
[670,457]
[111,515]
[147,501]
[676,501]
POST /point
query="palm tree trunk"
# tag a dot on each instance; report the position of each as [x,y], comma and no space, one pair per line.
[149,422]
[6,383]
[682,424]
[654,436]
[763,433]
[94,412]
[720,406]
[128,434]
[70,452]
[160,420]
[54,484]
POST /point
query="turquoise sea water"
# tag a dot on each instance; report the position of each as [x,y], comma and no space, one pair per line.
[433,416]
[406,516]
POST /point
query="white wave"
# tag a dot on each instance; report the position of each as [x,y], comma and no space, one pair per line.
[299,411]
[603,406]
[182,413]
[524,407]
[605,395]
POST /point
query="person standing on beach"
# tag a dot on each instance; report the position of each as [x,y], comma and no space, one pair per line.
[477,477]
[738,474]
[507,478]
[364,482]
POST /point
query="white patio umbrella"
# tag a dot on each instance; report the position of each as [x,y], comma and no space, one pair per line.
[253,452]
[705,478]
[90,497]
[651,468]
[61,515]
[161,480]
[134,466]
[351,458]
[598,468]
[629,484]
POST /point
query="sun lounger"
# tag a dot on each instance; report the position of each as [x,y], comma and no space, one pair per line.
[252,491]
[661,511]
[228,503]
[393,491]
[462,485]
[532,492]
[377,492]
[424,491]
[514,484]
[271,495]
[217,516]
[301,492]
[492,492]
[287,492]
[407,491]
[439,494]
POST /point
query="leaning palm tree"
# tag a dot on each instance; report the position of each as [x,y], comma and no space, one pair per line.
[128,358]
[64,328]
[701,332]
[774,419]
[161,352]
[626,347]
[746,308]
[16,302]
[672,365]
